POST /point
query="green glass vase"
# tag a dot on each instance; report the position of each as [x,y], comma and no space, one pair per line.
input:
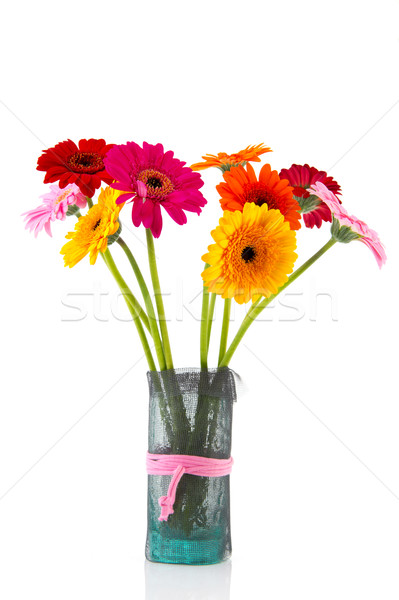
[190,412]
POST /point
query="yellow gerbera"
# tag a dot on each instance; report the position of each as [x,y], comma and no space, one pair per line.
[253,254]
[93,229]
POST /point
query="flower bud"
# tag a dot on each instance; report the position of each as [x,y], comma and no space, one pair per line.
[112,238]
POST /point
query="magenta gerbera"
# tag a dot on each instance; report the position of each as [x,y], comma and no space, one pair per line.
[301,177]
[55,206]
[154,179]
[346,227]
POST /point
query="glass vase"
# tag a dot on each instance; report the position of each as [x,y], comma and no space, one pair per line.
[190,413]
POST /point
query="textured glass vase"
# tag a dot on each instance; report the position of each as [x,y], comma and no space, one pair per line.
[190,412]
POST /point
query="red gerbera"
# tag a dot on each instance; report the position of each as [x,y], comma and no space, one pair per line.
[301,177]
[83,165]
[242,186]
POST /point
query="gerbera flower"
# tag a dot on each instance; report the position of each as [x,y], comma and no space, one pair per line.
[83,165]
[55,206]
[253,254]
[92,231]
[154,179]
[301,177]
[345,227]
[224,161]
[242,186]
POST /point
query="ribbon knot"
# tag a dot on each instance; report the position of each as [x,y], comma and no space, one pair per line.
[178,464]
[166,502]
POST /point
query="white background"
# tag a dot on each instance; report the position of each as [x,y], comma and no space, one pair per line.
[315,488]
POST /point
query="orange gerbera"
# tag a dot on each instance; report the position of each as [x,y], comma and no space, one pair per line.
[224,161]
[253,254]
[242,186]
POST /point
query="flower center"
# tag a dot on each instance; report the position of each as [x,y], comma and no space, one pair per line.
[154,182]
[259,193]
[158,185]
[248,254]
[62,196]
[96,224]
[85,162]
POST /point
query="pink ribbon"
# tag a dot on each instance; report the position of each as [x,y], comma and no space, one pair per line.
[178,464]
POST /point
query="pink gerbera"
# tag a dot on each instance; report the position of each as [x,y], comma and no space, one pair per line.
[154,179]
[346,227]
[301,177]
[55,206]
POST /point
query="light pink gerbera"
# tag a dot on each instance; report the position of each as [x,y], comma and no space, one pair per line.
[55,206]
[153,179]
[347,222]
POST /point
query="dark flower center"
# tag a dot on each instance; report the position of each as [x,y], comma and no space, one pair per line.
[85,162]
[248,254]
[259,193]
[154,182]
[159,186]
[96,224]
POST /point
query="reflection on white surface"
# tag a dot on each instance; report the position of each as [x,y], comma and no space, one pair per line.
[185,582]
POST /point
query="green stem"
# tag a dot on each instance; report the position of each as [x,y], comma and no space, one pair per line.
[204,327]
[132,304]
[210,319]
[148,304]
[89,202]
[158,299]
[255,312]
[127,292]
[254,305]
[225,329]
[141,311]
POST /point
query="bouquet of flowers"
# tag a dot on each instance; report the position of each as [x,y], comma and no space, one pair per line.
[251,261]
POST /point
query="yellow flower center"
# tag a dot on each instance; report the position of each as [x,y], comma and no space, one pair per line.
[62,196]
